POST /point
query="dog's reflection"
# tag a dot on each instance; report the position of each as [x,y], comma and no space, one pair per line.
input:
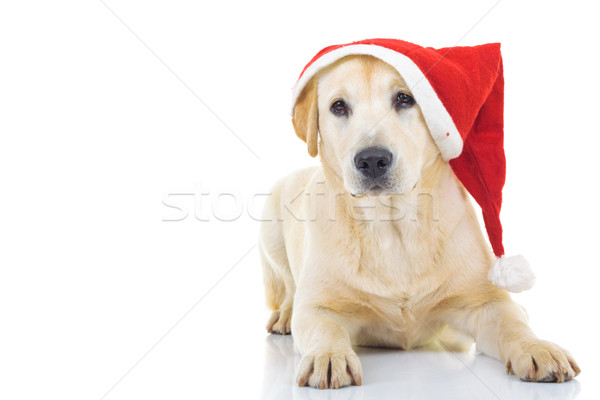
[410,374]
[279,367]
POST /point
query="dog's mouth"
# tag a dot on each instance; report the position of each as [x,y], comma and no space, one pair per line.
[375,190]
[377,187]
[380,189]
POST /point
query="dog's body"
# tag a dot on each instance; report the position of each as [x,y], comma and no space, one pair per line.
[381,246]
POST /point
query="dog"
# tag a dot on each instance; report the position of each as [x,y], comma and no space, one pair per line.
[380,244]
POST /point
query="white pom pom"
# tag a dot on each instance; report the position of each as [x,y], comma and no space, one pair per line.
[512,273]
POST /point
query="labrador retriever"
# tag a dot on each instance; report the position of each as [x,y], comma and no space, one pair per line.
[362,251]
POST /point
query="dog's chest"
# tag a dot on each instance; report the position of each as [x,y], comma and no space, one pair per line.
[395,256]
[396,280]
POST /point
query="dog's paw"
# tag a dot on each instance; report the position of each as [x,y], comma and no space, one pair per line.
[329,370]
[280,321]
[542,361]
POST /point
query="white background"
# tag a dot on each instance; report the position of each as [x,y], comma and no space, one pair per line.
[104,113]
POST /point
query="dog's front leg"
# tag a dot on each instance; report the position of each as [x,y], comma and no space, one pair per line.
[500,330]
[328,360]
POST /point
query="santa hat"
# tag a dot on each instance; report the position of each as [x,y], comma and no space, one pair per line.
[460,91]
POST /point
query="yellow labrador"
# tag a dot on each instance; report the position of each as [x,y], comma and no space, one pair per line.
[362,252]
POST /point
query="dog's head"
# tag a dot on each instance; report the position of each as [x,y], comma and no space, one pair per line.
[373,135]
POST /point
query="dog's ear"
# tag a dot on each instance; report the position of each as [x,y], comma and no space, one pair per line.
[306,117]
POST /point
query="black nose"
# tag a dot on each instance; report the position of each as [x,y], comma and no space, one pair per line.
[373,161]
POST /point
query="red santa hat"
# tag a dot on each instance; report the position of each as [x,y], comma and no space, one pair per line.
[460,91]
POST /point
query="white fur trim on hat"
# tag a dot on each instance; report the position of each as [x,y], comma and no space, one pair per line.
[440,123]
[512,273]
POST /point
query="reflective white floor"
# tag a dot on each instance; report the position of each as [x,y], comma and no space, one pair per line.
[391,374]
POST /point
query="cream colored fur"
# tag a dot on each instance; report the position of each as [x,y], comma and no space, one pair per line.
[392,269]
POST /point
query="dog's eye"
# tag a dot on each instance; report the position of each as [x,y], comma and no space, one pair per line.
[403,100]
[339,108]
